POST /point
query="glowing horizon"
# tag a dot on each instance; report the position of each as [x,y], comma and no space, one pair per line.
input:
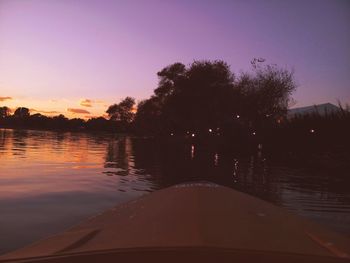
[77,108]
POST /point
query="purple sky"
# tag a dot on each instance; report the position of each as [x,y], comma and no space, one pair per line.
[54,54]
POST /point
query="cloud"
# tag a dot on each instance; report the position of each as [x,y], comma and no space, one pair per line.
[86,102]
[78,111]
[5,98]
[89,102]
[45,112]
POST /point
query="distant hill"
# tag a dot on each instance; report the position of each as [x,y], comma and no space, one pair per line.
[322,109]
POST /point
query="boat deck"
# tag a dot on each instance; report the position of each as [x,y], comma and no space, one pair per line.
[191,220]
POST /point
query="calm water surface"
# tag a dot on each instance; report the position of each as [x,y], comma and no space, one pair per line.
[52,180]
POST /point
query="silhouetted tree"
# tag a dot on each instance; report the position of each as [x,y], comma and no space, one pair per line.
[4,112]
[169,78]
[76,123]
[148,116]
[99,124]
[196,98]
[265,93]
[123,112]
[22,112]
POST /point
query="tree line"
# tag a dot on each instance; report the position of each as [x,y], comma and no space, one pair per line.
[202,99]
[205,95]
[21,118]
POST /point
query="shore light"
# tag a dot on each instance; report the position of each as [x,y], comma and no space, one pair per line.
[312,130]
[216,159]
[172,134]
[210,130]
[254,133]
[237,116]
[193,135]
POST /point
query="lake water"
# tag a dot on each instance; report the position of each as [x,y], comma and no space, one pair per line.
[50,181]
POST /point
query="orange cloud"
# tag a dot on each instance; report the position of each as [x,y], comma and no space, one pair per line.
[78,111]
[5,98]
[89,103]
[86,103]
[45,112]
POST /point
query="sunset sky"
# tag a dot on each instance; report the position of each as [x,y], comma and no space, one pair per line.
[77,57]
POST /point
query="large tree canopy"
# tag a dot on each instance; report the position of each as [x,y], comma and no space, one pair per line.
[266,91]
[207,94]
[122,112]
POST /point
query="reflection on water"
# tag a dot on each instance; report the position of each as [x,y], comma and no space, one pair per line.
[51,180]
